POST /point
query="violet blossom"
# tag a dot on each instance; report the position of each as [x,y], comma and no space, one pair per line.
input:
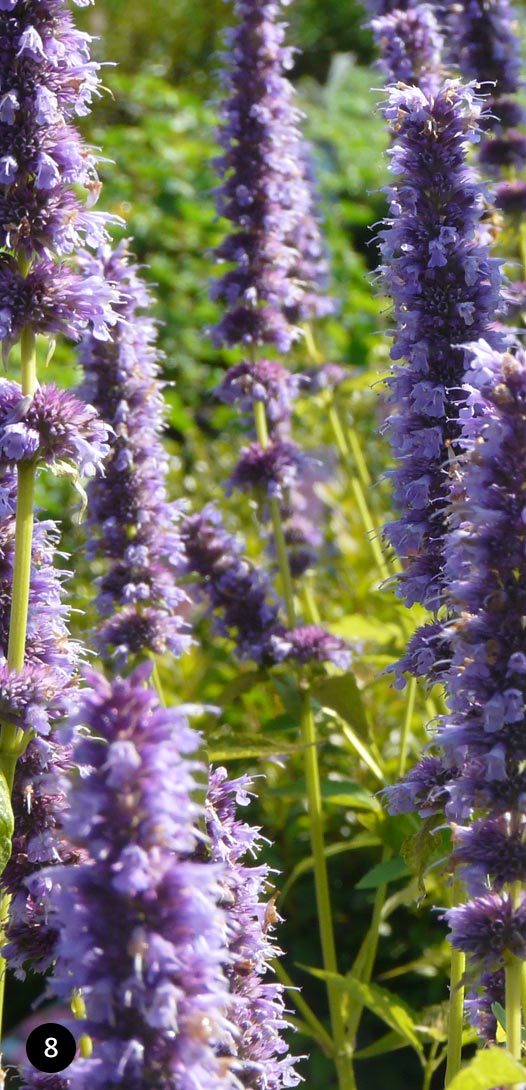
[275,246]
[411,44]
[52,427]
[445,291]
[142,930]
[258,1010]
[133,526]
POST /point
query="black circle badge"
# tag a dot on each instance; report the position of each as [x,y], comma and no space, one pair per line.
[51,1047]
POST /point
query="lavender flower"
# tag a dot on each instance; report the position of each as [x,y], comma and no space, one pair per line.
[445,290]
[411,45]
[479,1004]
[264,192]
[309,643]
[47,81]
[270,470]
[241,599]
[52,427]
[425,789]
[133,526]
[35,698]
[489,927]
[141,927]
[483,41]
[491,853]
[262,380]
[257,1005]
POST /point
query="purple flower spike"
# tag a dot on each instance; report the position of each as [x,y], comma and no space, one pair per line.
[480,1002]
[491,851]
[258,1008]
[410,44]
[52,427]
[142,930]
[133,526]
[275,247]
[445,292]
[47,81]
[483,41]
[425,789]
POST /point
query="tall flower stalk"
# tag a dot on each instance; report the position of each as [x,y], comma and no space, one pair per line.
[265,195]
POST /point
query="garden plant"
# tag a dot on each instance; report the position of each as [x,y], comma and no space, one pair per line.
[262,548]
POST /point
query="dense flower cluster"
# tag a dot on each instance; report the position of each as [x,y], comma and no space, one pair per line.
[241,600]
[411,45]
[47,80]
[257,1005]
[133,527]
[483,41]
[445,292]
[265,191]
[141,927]
[54,426]
[34,699]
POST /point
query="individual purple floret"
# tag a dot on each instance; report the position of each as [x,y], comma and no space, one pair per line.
[264,190]
[133,526]
[445,292]
[261,380]
[411,45]
[52,427]
[142,930]
[257,1004]
[47,81]
[489,927]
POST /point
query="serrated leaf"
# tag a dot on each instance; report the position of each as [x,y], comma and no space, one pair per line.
[418,850]
[7,823]
[384,1004]
[387,871]
[490,1068]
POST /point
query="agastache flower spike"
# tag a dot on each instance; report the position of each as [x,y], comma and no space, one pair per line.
[445,291]
[411,45]
[257,1005]
[264,191]
[47,81]
[142,930]
[133,526]
[34,698]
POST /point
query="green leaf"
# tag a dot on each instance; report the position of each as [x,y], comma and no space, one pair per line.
[388,1007]
[390,1042]
[342,695]
[384,872]
[240,750]
[361,840]
[490,1068]
[7,823]
[357,627]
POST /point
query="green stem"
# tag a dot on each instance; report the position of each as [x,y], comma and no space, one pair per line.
[513,972]
[321,883]
[408,718]
[456,1002]
[358,493]
[364,968]
[277,525]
